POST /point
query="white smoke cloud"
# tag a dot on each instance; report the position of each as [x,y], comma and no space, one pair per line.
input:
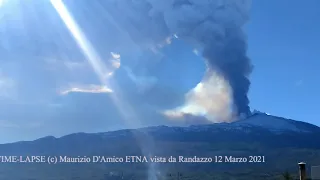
[211,98]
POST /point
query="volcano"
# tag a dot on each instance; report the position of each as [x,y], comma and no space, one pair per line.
[282,142]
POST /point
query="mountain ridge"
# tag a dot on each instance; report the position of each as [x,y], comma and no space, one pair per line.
[243,122]
[283,149]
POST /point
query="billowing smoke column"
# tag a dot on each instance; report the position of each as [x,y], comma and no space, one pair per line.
[213,26]
[229,59]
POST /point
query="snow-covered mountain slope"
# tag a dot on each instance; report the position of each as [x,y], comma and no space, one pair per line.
[258,120]
[262,129]
[275,123]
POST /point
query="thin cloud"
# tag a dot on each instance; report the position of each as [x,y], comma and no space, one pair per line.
[142,82]
[87,89]
[115,61]
[196,52]
[72,65]
[8,124]
[299,83]
[6,86]
[115,55]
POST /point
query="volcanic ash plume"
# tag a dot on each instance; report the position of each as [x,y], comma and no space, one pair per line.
[214,26]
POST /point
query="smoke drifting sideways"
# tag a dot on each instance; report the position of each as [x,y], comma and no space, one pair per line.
[213,26]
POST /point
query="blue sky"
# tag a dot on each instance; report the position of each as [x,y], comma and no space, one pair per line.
[284,45]
[48,86]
